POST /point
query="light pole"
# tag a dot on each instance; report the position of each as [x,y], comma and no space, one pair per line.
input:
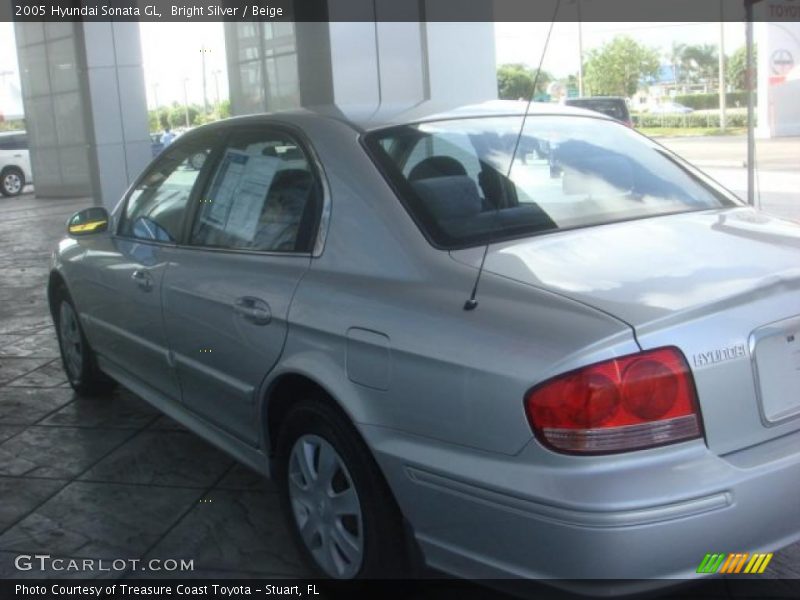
[750,70]
[216,84]
[186,102]
[203,51]
[155,96]
[580,51]
[722,99]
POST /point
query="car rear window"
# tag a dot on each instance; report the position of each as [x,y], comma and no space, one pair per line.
[456,180]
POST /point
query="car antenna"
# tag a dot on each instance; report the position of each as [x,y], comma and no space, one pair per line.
[472,302]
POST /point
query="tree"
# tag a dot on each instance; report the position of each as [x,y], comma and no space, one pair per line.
[675,58]
[617,68]
[736,70]
[158,119]
[224,109]
[700,63]
[177,114]
[515,81]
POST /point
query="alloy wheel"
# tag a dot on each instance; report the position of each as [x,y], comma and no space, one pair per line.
[70,340]
[12,183]
[326,507]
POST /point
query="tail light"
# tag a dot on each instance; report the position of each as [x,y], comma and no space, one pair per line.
[629,403]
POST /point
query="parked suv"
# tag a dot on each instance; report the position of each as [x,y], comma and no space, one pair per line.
[612,106]
[15,163]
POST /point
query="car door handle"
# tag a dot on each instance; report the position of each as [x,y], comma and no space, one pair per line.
[143,279]
[253,309]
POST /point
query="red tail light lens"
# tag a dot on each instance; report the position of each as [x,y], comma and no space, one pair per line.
[629,403]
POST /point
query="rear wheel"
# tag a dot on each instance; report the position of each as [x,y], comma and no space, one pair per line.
[79,361]
[340,510]
[12,181]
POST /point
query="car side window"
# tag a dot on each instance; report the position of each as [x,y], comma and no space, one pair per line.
[14,142]
[155,208]
[264,196]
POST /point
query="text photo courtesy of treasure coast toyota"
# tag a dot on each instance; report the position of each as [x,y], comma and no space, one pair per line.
[506,341]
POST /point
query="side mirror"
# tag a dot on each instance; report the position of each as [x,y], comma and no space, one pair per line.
[88,221]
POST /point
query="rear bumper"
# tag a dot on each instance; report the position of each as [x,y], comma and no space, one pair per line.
[652,515]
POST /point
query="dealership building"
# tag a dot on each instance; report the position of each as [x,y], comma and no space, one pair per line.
[84,93]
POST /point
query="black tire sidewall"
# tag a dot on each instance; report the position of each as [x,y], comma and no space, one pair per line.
[384,538]
[91,381]
[74,382]
[7,171]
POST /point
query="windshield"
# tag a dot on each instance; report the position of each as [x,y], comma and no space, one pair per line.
[568,172]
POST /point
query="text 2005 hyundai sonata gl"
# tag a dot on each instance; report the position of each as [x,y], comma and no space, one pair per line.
[300,289]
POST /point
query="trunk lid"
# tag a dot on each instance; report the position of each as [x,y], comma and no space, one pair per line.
[721,285]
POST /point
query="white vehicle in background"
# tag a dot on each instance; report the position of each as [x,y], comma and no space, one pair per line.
[670,108]
[15,163]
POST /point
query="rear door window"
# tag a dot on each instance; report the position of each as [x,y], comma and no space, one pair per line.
[264,195]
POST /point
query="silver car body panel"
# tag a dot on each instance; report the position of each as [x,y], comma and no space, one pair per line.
[376,319]
[703,281]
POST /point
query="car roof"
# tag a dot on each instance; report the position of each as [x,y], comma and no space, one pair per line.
[365,119]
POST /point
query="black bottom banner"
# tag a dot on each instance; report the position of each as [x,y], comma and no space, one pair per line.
[429,589]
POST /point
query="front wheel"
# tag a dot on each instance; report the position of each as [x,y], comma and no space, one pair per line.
[341,512]
[12,181]
[79,361]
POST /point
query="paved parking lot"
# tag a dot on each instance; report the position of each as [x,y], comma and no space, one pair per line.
[109,477]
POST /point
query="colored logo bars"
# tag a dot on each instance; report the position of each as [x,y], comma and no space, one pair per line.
[735,563]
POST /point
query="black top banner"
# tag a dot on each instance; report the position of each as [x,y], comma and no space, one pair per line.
[399,10]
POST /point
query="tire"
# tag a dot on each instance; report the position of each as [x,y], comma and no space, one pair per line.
[370,519]
[80,362]
[12,181]
[196,161]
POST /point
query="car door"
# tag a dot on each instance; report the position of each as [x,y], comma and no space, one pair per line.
[228,289]
[125,275]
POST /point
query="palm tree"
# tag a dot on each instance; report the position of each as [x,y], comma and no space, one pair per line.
[676,61]
[701,61]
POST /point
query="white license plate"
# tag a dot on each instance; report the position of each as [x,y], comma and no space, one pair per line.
[776,351]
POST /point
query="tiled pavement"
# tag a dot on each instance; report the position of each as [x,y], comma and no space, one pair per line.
[109,477]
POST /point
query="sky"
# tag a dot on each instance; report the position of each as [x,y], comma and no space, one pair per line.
[171,51]
[523,42]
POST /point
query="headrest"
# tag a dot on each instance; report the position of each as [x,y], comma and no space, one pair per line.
[449,197]
[291,178]
[436,166]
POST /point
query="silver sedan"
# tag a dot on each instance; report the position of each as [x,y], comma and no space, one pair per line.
[505,344]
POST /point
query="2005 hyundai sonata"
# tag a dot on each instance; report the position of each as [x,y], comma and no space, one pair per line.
[548,355]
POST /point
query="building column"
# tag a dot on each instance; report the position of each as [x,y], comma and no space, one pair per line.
[85,106]
[391,63]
